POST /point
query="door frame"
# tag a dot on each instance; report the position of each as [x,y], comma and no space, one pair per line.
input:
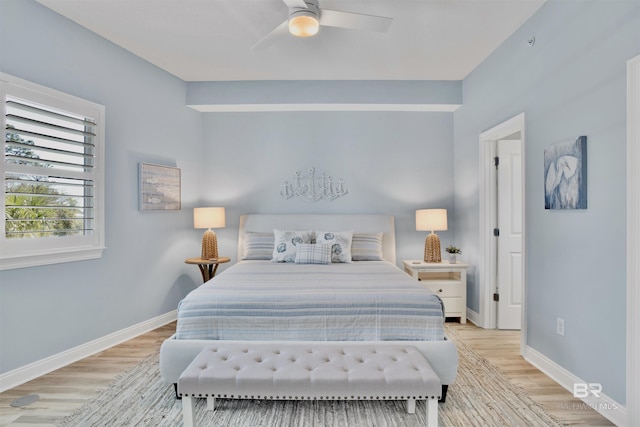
[487,255]
[633,241]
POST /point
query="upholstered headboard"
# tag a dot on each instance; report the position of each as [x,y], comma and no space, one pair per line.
[355,223]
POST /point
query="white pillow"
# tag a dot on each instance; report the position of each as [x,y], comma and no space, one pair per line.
[313,254]
[340,242]
[257,245]
[366,247]
[285,243]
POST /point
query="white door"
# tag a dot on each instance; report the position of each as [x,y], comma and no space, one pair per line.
[510,261]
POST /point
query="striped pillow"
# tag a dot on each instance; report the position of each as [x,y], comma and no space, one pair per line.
[313,254]
[366,247]
[258,245]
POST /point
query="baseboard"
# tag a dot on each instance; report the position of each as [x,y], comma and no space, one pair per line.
[474,317]
[604,405]
[41,367]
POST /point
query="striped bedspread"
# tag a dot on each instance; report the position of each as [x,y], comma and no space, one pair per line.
[359,301]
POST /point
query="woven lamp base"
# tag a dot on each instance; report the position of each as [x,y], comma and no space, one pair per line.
[432,248]
[209,245]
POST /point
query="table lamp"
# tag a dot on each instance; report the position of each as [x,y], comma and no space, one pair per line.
[431,220]
[209,218]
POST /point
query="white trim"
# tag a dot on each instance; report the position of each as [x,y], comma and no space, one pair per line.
[633,240]
[41,367]
[486,312]
[473,317]
[604,405]
[253,108]
[50,258]
[486,274]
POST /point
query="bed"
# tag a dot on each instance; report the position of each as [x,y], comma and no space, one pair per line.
[363,301]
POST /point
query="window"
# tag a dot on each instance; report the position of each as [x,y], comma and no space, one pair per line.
[52,175]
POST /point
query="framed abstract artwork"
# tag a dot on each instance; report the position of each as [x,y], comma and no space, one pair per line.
[159,187]
[565,175]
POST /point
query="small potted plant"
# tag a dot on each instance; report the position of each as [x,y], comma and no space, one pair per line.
[453,251]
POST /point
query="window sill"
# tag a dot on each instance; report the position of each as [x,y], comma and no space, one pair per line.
[25,261]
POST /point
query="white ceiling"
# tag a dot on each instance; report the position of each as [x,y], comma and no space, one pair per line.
[211,40]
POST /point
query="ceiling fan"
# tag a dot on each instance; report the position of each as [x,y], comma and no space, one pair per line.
[306,17]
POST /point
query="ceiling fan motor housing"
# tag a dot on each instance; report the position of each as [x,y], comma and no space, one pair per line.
[312,10]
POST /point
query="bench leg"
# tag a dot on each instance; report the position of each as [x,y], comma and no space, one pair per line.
[188,411]
[445,387]
[411,406]
[432,412]
[211,403]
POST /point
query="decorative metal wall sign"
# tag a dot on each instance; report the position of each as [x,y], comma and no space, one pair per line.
[312,188]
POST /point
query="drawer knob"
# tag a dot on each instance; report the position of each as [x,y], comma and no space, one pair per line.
[439,290]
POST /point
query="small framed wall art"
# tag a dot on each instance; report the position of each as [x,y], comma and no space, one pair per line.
[159,187]
[565,175]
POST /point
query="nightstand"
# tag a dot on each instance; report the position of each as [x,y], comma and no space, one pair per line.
[448,281]
[207,267]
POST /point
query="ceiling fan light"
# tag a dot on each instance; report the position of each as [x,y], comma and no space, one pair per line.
[303,25]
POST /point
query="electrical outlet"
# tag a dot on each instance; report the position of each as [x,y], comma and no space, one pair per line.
[560,326]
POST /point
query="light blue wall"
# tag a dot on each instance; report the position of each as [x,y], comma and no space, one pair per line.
[325,91]
[46,310]
[392,163]
[572,82]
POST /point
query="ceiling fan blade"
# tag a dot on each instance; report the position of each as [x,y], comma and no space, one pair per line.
[272,37]
[354,21]
[295,3]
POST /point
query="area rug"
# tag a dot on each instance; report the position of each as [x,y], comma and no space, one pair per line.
[480,396]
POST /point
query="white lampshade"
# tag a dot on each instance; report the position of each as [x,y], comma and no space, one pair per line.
[208,218]
[431,220]
[304,24]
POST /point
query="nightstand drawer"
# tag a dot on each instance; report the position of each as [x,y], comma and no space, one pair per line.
[440,275]
[442,288]
[452,307]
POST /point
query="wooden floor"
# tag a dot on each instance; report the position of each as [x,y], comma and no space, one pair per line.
[65,390]
[502,349]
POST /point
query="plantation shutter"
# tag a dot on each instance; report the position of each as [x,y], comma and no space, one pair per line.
[52,175]
[49,162]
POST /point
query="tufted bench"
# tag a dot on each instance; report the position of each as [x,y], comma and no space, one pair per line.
[291,371]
